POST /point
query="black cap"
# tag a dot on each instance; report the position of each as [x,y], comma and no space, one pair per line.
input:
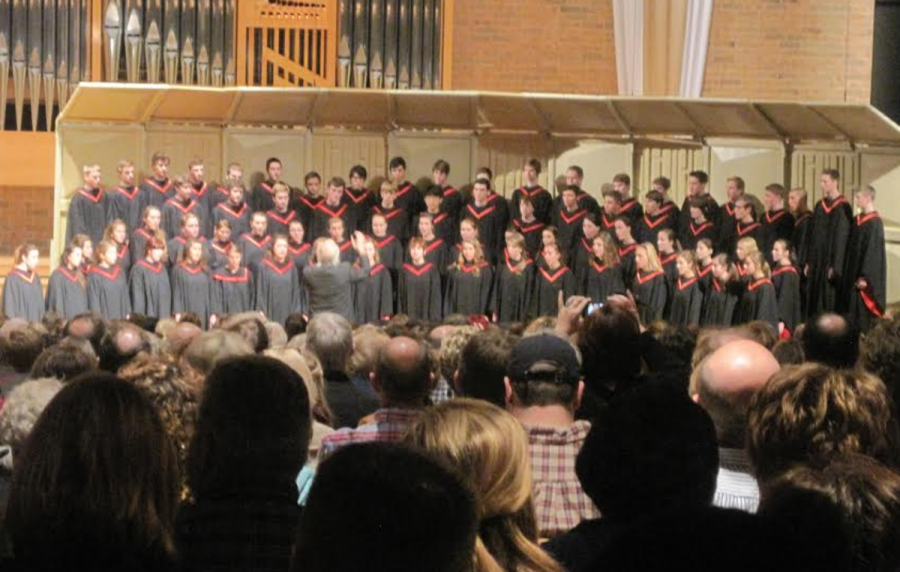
[544,348]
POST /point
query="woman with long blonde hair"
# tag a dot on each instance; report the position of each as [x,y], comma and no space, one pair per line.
[759,300]
[603,276]
[489,448]
[650,287]
[469,282]
[117,232]
[515,280]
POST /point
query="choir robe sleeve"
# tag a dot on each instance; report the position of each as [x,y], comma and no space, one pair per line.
[434,307]
[487,283]
[788,297]
[568,288]
[65,297]
[840,238]
[767,309]
[452,287]
[22,299]
[385,287]
[873,265]
[138,288]
[696,305]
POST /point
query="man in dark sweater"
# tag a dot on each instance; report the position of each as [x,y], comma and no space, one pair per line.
[328,283]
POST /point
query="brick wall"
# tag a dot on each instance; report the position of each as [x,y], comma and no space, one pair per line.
[27,214]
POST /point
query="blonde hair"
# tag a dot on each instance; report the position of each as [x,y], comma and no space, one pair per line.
[748,244]
[760,262]
[653,264]
[610,252]
[88,169]
[489,448]
[689,257]
[517,240]
[111,228]
[479,255]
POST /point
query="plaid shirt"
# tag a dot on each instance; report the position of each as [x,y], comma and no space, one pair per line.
[558,499]
[441,392]
[388,424]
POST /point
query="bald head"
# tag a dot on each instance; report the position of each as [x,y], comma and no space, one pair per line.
[726,381]
[403,375]
[180,335]
[831,340]
[10,326]
[121,343]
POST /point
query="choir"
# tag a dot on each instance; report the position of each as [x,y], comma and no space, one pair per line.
[169,246]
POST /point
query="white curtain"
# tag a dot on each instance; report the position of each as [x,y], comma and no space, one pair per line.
[696,42]
[628,16]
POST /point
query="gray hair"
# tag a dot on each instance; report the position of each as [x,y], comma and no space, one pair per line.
[22,409]
[209,348]
[328,253]
[330,337]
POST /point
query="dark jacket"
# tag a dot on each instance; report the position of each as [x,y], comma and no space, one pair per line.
[329,289]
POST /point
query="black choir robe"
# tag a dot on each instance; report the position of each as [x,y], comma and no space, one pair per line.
[727,228]
[540,198]
[361,204]
[87,215]
[176,248]
[830,236]
[719,303]
[191,291]
[217,196]
[786,280]
[22,296]
[669,266]
[599,282]
[390,251]
[547,286]
[232,292]
[123,257]
[138,243]
[651,293]
[174,210]
[758,302]
[262,198]
[469,289]
[373,296]
[608,223]
[237,216]
[512,291]
[685,221]
[648,227]
[704,277]
[776,225]
[632,208]
[452,206]
[419,292]
[579,258]
[585,201]
[693,233]
[156,193]
[629,266]
[866,259]
[305,206]
[569,226]
[800,239]
[348,253]
[67,293]
[151,290]
[533,234]
[218,253]
[107,292]
[254,249]
[125,203]
[300,254]
[491,230]
[750,230]
[279,223]
[437,252]
[409,199]
[445,227]
[324,213]
[203,194]
[397,222]
[278,292]
[687,302]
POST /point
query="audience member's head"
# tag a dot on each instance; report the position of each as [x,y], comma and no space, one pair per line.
[880,354]
[368,340]
[490,450]
[22,408]
[253,427]
[543,371]
[276,334]
[811,413]
[651,430]
[209,348]
[180,335]
[96,486]
[726,382]
[403,376]
[330,337]
[303,362]
[399,509]
[609,345]
[89,327]
[711,339]
[761,332]
[483,364]
[832,340]
[121,343]
[789,352]
[451,349]
[21,346]
[65,360]
[251,328]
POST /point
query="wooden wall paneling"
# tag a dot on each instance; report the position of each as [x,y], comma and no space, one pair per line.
[183,144]
[807,166]
[334,153]
[600,160]
[421,150]
[672,162]
[505,155]
[252,147]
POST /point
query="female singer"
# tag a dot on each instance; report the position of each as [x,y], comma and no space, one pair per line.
[298,249]
[373,295]
[745,247]
[67,291]
[551,279]
[278,292]
[117,232]
[86,245]
[722,297]
[650,287]
[549,237]
[107,287]
[667,247]
[786,280]
[583,251]
[687,298]
[469,283]
[419,292]
[150,227]
[758,301]
[151,290]
[22,294]
[603,277]
[190,282]
[704,252]
[220,245]
[232,287]
[514,282]
[190,230]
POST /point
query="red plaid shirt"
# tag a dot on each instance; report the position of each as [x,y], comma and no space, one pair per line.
[558,499]
[388,425]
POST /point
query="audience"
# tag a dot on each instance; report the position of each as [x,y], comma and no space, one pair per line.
[20,345]
[832,340]
[121,343]
[482,366]
[880,355]
[67,359]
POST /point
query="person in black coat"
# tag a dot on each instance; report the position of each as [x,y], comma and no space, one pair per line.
[865,273]
[700,224]
[221,245]
[531,189]
[87,208]
[529,227]
[280,216]
[469,283]
[567,217]
[656,218]
[704,253]
[179,206]
[374,295]
[786,280]
[278,292]
[360,198]
[233,288]
[22,294]
[687,298]
[777,222]
[151,289]
[490,219]
[829,238]
[583,249]
[151,222]
[514,282]
[123,201]
[396,219]
[722,297]
[603,277]
[107,285]
[67,290]
[437,250]
[157,189]
[551,279]
[190,230]
[256,243]
[298,249]
[191,283]
[759,300]
[419,287]
[234,210]
[649,286]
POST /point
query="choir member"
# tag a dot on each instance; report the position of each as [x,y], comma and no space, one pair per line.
[603,277]
[529,227]
[373,296]
[202,194]
[191,286]
[123,201]
[584,246]
[220,245]
[549,280]
[655,218]
[514,283]
[612,206]
[489,219]
[745,247]
[233,173]
[157,189]
[667,249]
[117,233]
[255,244]
[746,225]
[22,294]
[437,250]
[865,274]
[697,181]
[758,300]
[649,284]
[568,218]
[263,197]
[151,290]
[799,207]
[446,226]
[722,297]
[419,288]
[107,285]
[451,203]
[87,208]
[575,177]
[86,245]
[390,249]
[549,237]
[408,196]
[333,206]
[700,226]
[234,210]
[493,198]
[360,198]
[278,292]
[394,217]
[530,188]
[468,230]
[631,207]
[777,223]
[687,298]
[336,230]
[280,215]
[469,283]
[662,185]
[728,218]
[181,204]
[627,248]
[786,280]
[829,238]
[190,230]
[298,249]
[67,290]
[704,252]
[308,200]
[232,287]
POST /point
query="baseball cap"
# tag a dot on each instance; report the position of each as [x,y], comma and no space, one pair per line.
[544,348]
